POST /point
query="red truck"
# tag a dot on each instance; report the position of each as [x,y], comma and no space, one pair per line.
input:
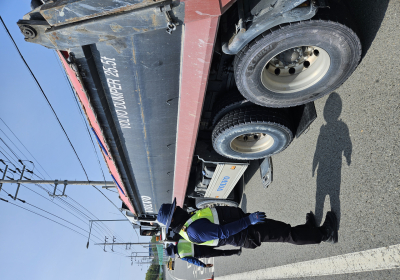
[182,95]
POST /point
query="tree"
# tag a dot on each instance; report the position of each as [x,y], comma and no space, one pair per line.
[153,272]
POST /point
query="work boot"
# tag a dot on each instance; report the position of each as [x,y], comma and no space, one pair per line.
[310,220]
[330,228]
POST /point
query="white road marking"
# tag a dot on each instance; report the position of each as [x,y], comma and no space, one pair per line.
[369,260]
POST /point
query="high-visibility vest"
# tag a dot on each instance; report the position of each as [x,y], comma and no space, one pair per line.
[185,248]
[208,213]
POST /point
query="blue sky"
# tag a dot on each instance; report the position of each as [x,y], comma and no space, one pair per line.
[31,246]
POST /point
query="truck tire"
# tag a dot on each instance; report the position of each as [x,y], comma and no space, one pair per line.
[297,63]
[226,103]
[252,132]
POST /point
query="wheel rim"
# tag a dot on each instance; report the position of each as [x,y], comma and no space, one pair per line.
[252,143]
[295,69]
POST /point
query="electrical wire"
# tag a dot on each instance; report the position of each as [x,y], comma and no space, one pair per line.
[45,96]
[42,216]
[116,252]
[74,208]
[110,232]
[23,201]
[52,109]
[88,131]
[63,209]
[9,148]
[12,141]
[25,149]
[57,205]
[80,111]
[8,155]
[107,229]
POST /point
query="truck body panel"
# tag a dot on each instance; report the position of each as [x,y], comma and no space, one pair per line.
[149,94]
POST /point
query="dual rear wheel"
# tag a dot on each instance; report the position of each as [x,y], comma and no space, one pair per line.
[252,132]
[288,66]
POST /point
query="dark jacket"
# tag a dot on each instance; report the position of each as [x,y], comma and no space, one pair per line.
[232,228]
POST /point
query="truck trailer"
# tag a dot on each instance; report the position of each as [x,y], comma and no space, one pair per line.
[183,95]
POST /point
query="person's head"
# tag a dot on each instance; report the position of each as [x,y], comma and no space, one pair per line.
[170,250]
[333,108]
[166,212]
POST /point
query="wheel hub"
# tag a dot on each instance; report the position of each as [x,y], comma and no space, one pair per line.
[291,56]
[252,143]
[295,69]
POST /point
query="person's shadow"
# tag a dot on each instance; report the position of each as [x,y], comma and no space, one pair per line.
[333,143]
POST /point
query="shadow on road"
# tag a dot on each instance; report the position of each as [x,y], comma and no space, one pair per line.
[368,15]
[333,143]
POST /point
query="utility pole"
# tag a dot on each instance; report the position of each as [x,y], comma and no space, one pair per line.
[94,221]
[104,244]
[19,184]
[136,256]
[54,182]
[129,243]
[112,247]
[4,175]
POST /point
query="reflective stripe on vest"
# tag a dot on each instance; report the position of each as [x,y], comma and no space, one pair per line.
[208,213]
[185,248]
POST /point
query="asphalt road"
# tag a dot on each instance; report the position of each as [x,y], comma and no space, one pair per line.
[186,271]
[354,147]
[363,189]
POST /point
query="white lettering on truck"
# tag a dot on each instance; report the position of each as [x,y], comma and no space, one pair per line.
[148,205]
[115,89]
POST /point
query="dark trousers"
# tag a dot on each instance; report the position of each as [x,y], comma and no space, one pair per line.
[209,252]
[276,231]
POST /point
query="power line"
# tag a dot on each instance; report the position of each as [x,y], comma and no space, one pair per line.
[12,159]
[52,201]
[9,148]
[79,109]
[118,253]
[6,157]
[48,102]
[103,228]
[43,216]
[59,122]
[23,201]
[77,210]
[68,204]
[25,148]
[12,142]
[90,135]
[72,207]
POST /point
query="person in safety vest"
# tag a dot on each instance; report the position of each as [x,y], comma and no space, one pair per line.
[191,253]
[225,225]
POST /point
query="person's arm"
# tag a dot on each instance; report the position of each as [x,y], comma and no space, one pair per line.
[194,261]
[316,159]
[347,145]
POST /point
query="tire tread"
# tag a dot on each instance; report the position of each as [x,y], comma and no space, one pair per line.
[250,115]
[338,16]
